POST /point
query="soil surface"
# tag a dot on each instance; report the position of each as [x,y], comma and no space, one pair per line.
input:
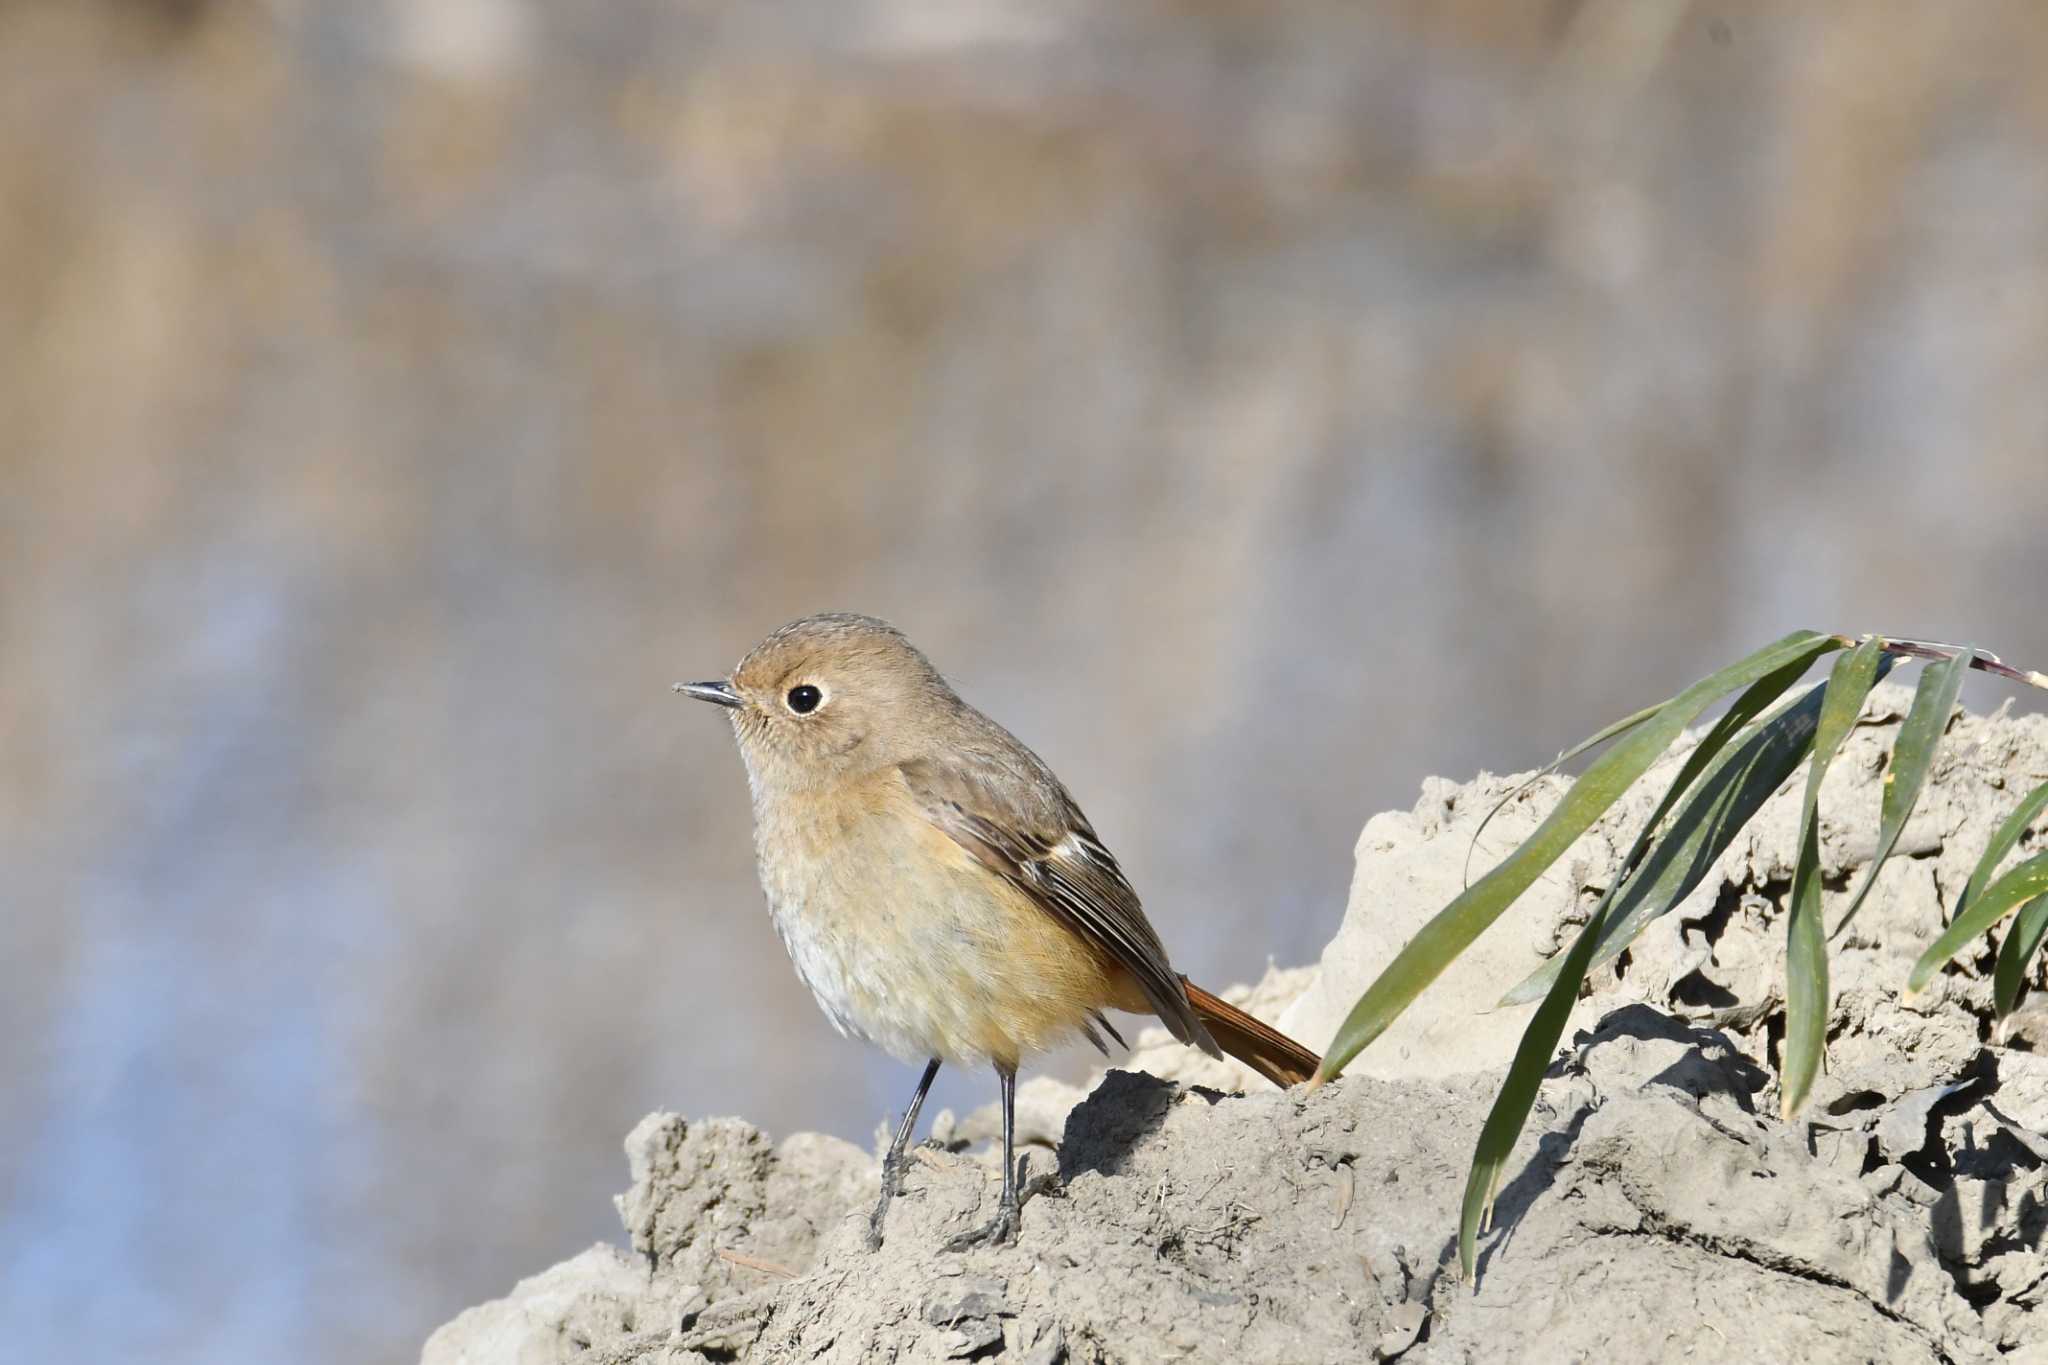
[1656,1207]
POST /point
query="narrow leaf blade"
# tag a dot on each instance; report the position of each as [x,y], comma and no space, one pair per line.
[1934,700]
[2016,954]
[1454,927]
[1806,949]
[1517,1094]
[2022,883]
[2008,834]
[1592,741]
[1732,789]
[1746,708]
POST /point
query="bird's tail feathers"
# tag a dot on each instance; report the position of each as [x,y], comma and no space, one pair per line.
[1259,1046]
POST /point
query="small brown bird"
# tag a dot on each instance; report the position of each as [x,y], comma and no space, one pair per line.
[937,889]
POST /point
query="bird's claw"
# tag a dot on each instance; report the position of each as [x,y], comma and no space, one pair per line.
[892,1184]
[998,1231]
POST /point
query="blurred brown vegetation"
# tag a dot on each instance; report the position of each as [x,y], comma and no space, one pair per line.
[1256,407]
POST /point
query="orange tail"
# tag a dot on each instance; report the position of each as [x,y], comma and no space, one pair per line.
[1261,1047]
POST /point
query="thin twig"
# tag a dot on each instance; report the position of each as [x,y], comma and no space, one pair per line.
[1982,659]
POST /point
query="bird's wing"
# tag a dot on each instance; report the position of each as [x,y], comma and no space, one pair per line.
[1047,849]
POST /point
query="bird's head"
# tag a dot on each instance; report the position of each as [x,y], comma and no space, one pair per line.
[826,698]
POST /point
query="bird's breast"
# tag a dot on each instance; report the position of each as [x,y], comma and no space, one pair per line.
[909,942]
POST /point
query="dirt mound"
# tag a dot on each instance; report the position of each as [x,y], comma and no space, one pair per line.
[1655,1204]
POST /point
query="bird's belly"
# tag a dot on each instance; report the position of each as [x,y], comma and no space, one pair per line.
[909,944]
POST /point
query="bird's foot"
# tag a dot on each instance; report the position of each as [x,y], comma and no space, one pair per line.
[893,1166]
[1002,1229]
[998,1231]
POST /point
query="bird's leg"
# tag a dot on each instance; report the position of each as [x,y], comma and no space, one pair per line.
[1003,1227]
[893,1163]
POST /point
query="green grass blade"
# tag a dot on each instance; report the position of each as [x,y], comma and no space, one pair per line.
[2022,883]
[1517,1095]
[2022,941]
[1934,700]
[2008,833]
[1454,927]
[1771,740]
[1518,1091]
[1731,790]
[1745,708]
[1759,695]
[1593,741]
[1806,949]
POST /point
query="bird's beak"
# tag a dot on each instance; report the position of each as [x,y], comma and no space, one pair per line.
[719,693]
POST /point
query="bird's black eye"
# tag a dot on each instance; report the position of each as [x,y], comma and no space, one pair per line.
[804,698]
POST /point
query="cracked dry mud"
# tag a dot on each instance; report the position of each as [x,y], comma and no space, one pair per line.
[1655,1209]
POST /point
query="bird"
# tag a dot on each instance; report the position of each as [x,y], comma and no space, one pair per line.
[937,888]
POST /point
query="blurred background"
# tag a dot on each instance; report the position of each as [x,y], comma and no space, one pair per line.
[1257,407]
